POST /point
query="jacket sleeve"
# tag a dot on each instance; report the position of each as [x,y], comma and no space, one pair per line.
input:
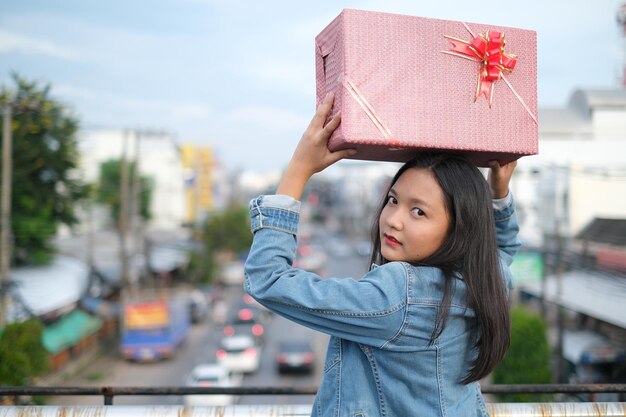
[507,230]
[370,310]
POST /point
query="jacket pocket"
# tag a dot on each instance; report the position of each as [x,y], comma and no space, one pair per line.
[333,354]
[327,398]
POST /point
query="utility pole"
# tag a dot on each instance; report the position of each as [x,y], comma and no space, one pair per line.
[5,235]
[123,221]
[621,22]
[560,371]
[141,241]
[90,238]
[139,245]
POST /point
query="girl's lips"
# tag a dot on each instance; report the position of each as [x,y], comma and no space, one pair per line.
[391,241]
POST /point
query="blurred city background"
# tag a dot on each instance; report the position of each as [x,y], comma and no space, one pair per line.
[134,136]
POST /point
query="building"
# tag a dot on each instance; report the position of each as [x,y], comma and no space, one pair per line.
[158,157]
[572,207]
[580,171]
[199,166]
[52,294]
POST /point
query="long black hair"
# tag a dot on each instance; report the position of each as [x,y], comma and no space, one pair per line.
[469,249]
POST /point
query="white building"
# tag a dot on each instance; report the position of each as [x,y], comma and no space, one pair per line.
[580,171]
[158,159]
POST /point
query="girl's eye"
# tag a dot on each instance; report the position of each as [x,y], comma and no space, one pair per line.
[418,212]
[391,200]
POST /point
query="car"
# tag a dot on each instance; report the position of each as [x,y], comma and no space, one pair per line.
[253,328]
[247,318]
[198,306]
[248,300]
[295,356]
[239,353]
[211,375]
[244,312]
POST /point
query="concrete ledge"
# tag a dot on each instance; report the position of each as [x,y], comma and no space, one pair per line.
[495,410]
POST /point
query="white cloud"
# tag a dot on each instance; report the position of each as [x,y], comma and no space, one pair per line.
[13,42]
[103,107]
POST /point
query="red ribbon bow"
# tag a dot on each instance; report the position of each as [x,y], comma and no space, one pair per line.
[488,49]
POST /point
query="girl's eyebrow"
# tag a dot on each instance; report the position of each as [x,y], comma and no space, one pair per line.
[413,200]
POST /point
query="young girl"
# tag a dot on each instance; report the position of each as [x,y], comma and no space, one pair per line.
[414,335]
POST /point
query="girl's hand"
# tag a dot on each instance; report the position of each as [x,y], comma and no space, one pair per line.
[312,154]
[500,177]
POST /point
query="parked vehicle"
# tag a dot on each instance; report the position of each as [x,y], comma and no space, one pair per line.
[239,353]
[153,330]
[211,375]
[295,356]
[593,359]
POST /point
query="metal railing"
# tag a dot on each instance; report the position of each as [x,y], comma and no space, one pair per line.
[553,409]
[109,392]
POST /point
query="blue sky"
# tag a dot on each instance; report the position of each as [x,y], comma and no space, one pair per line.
[239,75]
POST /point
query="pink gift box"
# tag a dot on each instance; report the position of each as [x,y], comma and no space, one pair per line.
[404,84]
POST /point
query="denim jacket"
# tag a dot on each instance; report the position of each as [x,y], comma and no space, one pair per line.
[380,360]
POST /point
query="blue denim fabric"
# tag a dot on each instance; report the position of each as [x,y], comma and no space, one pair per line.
[379,361]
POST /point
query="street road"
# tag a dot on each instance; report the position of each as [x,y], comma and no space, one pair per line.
[200,347]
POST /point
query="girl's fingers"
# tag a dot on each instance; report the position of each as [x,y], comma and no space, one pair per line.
[323,109]
[332,124]
[500,177]
[339,155]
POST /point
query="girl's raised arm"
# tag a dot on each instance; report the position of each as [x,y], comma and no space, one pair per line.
[312,154]
[500,177]
[507,228]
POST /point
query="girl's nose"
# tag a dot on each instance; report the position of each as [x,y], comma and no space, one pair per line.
[394,220]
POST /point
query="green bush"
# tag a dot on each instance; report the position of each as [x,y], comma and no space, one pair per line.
[22,355]
[528,358]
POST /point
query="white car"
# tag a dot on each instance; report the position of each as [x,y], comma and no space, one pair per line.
[239,353]
[211,375]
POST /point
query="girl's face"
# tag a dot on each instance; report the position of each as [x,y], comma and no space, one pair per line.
[414,222]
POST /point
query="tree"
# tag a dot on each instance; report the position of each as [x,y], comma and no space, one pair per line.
[108,191]
[22,354]
[45,187]
[229,231]
[226,233]
[528,358]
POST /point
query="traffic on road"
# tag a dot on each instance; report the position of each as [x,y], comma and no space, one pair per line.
[235,343]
